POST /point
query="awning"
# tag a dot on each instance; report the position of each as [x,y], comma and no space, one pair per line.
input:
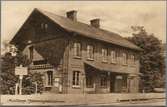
[112,68]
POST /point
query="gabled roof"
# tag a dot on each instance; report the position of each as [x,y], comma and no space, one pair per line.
[89,31]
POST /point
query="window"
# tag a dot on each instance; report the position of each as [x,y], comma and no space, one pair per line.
[113,56]
[44,25]
[103,80]
[118,56]
[31,52]
[49,78]
[132,59]
[104,54]
[124,58]
[90,52]
[89,81]
[77,49]
[75,81]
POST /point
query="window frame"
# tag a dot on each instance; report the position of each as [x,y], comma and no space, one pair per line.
[124,56]
[133,59]
[103,80]
[44,26]
[90,52]
[77,50]
[118,56]
[104,54]
[113,56]
[76,79]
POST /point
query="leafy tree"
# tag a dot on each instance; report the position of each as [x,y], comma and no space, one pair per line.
[9,79]
[151,61]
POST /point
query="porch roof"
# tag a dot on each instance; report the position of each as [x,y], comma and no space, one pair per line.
[112,68]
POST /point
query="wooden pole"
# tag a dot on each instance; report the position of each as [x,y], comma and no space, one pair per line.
[21,80]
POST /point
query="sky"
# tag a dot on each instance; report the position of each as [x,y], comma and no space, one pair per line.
[115,16]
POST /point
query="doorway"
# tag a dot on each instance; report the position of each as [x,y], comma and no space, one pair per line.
[112,83]
[118,84]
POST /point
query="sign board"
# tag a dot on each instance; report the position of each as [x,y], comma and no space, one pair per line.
[21,70]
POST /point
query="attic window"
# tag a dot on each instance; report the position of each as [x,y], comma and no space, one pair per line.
[44,25]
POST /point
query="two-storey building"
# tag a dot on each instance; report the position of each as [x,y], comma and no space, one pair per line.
[78,58]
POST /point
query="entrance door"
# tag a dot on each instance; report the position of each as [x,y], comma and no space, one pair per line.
[118,84]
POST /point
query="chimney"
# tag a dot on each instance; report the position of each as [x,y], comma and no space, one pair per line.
[95,23]
[72,15]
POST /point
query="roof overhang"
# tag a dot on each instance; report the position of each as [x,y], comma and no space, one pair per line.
[111,68]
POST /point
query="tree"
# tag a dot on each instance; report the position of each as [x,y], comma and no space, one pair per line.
[151,61]
[9,79]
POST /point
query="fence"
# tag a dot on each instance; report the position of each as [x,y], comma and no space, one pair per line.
[76,99]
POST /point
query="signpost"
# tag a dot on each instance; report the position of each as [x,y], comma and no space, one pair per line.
[21,71]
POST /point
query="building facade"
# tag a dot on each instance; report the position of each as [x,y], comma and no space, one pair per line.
[78,58]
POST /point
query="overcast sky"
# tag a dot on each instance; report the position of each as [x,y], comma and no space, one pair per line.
[115,16]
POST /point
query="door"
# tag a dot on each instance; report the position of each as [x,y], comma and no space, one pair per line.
[118,84]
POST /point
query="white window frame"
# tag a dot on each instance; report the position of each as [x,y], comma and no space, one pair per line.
[113,56]
[118,56]
[104,55]
[77,50]
[76,79]
[132,59]
[90,52]
[124,55]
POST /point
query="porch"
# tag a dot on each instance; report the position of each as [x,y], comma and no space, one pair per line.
[107,81]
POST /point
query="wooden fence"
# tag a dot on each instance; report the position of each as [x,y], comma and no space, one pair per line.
[76,99]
